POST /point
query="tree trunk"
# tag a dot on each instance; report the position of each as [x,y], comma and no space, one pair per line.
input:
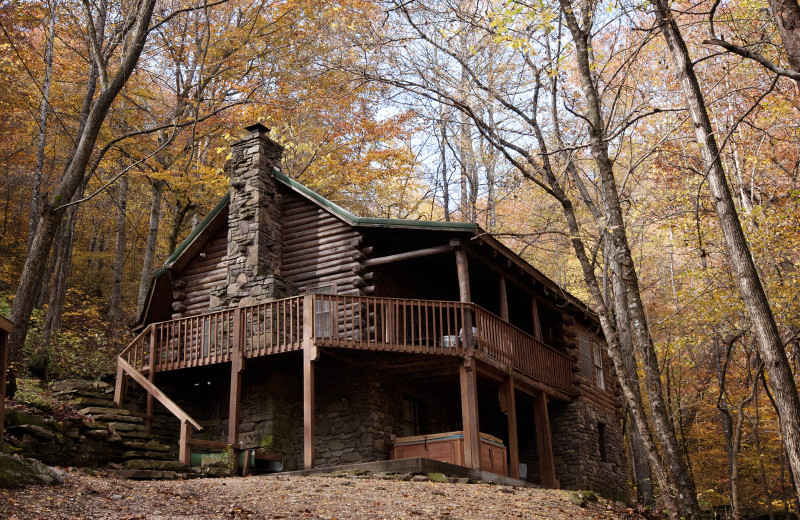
[787,17]
[642,476]
[58,292]
[74,174]
[43,110]
[115,307]
[150,245]
[755,300]
[678,471]
[445,182]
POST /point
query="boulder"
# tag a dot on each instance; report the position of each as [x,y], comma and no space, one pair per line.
[18,471]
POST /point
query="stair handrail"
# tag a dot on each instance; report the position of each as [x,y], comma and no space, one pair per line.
[168,403]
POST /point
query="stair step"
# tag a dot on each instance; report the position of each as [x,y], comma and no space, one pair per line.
[103,410]
[161,465]
[126,428]
[150,455]
[82,402]
[151,474]
[111,418]
[147,446]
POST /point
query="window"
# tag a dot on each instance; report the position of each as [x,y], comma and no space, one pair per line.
[323,321]
[586,357]
[601,438]
[599,378]
[410,417]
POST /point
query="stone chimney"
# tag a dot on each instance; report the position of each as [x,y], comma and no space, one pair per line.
[254,224]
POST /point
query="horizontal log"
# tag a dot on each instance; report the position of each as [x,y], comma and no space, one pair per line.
[304,220]
[348,245]
[296,237]
[331,239]
[419,253]
[353,256]
[310,224]
[215,275]
[322,270]
[204,268]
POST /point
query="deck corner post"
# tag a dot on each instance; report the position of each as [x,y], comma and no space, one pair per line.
[184,448]
[469,415]
[462,269]
[152,377]
[544,442]
[237,367]
[308,409]
[513,442]
[119,385]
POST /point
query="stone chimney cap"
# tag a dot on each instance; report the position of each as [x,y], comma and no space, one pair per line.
[257,128]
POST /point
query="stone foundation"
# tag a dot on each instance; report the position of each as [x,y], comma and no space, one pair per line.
[576,448]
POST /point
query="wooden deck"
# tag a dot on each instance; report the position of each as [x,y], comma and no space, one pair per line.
[346,322]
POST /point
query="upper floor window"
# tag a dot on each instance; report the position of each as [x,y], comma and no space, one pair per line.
[323,319]
[592,362]
[599,378]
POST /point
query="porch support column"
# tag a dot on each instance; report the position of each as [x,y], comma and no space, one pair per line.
[544,442]
[513,444]
[310,356]
[469,414]
[503,298]
[308,410]
[237,367]
[462,268]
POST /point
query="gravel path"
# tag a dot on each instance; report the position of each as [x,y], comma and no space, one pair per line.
[272,497]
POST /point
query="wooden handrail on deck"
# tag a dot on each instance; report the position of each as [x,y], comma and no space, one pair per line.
[349,322]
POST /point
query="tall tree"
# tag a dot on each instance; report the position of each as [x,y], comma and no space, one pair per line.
[741,261]
[121,50]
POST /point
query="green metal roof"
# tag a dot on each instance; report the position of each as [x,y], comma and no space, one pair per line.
[369,221]
[325,203]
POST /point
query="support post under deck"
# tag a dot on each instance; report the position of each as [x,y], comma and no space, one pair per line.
[513,443]
[469,414]
[544,441]
[237,367]
[310,355]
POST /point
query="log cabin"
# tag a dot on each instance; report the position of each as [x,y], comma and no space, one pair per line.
[286,325]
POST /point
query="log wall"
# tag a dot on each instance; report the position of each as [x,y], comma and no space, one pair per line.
[319,249]
[191,289]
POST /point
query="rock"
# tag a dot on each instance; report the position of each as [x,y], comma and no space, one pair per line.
[17,472]
[38,432]
[437,477]
[215,460]
[163,465]
[15,417]
[97,434]
[79,384]
[420,478]
[100,410]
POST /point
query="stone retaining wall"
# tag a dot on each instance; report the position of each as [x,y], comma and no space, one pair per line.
[576,448]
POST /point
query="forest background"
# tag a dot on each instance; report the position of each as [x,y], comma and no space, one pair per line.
[494,112]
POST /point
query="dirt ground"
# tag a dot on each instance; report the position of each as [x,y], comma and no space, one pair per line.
[272,497]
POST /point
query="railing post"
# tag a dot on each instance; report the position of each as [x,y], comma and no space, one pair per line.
[310,355]
[469,414]
[119,394]
[237,367]
[184,449]
[152,377]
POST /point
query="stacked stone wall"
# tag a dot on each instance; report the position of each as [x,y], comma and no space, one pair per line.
[576,448]
[254,225]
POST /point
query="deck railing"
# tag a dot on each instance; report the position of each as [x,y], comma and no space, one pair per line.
[518,349]
[390,324]
[348,322]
